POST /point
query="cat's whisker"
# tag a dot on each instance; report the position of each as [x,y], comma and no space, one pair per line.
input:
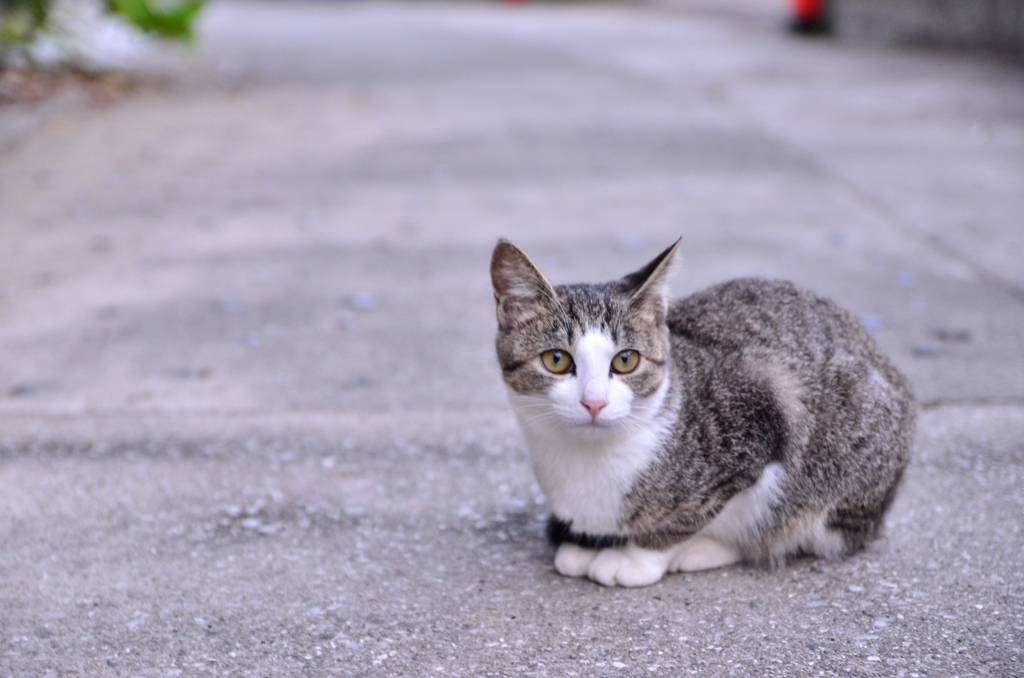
[542,417]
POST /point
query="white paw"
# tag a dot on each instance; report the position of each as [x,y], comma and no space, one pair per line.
[703,553]
[630,566]
[572,560]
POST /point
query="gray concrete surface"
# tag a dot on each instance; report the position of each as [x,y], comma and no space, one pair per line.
[250,421]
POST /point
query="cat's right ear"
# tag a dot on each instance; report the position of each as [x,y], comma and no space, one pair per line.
[520,291]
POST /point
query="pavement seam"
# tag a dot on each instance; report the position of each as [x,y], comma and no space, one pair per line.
[242,413]
[884,210]
[256,414]
[940,403]
[907,228]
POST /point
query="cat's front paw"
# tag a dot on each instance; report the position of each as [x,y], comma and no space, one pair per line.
[630,566]
[572,560]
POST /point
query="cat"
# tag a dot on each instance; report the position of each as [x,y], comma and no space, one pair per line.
[753,421]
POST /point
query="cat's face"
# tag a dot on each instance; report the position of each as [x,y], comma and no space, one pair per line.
[585,358]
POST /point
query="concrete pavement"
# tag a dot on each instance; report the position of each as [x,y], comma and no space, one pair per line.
[250,419]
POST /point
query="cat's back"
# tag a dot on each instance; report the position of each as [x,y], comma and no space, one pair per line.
[753,310]
[753,320]
[771,315]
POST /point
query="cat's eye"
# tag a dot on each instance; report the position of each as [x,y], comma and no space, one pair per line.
[556,361]
[625,362]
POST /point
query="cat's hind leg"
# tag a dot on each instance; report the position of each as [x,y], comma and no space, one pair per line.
[740,521]
[630,565]
[703,552]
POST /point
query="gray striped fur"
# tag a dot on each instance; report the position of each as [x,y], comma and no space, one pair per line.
[758,372]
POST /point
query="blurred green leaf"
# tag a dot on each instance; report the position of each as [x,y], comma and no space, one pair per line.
[168,19]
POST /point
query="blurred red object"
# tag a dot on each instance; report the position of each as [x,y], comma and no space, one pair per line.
[809,16]
[808,10]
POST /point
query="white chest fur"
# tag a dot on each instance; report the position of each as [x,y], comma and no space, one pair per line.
[585,461]
[586,477]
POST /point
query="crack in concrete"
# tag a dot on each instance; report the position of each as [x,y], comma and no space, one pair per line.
[940,403]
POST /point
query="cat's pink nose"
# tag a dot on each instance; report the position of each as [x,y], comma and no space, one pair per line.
[594,406]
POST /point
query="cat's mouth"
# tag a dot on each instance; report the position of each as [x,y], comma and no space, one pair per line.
[596,426]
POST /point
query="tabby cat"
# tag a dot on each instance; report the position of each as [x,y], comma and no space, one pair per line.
[751,421]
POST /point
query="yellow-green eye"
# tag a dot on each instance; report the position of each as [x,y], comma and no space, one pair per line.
[556,360]
[625,362]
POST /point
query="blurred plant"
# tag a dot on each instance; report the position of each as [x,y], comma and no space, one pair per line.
[49,32]
[20,20]
[168,19]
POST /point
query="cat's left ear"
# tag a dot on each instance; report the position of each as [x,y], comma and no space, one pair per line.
[648,287]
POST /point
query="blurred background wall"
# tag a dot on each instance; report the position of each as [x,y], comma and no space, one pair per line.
[989,24]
